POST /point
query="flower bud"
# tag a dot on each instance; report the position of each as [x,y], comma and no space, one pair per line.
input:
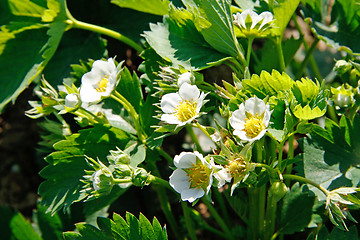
[102,182]
[72,100]
[140,177]
[342,67]
[185,78]
[342,97]
[278,190]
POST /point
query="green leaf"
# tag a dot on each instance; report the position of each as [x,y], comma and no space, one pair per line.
[344,29]
[213,19]
[51,227]
[14,226]
[291,219]
[157,7]
[119,229]
[129,86]
[24,54]
[62,188]
[283,11]
[75,45]
[267,60]
[177,40]
[331,159]
[147,230]
[266,84]
[352,234]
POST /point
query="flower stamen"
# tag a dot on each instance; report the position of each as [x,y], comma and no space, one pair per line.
[253,126]
[102,84]
[185,110]
[198,175]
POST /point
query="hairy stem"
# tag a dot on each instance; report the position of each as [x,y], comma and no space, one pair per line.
[305,180]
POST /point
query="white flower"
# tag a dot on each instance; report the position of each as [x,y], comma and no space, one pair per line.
[193,176]
[72,100]
[184,78]
[182,107]
[251,120]
[99,82]
[264,19]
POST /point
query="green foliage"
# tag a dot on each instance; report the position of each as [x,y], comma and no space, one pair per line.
[283,11]
[157,7]
[177,40]
[15,226]
[291,219]
[331,155]
[61,189]
[26,48]
[119,228]
[343,31]
[214,21]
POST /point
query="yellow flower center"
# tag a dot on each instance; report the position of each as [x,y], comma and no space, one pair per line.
[198,175]
[237,167]
[102,84]
[185,110]
[254,125]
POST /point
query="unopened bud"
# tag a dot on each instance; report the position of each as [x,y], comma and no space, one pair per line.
[72,100]
[140,177]
[342,67]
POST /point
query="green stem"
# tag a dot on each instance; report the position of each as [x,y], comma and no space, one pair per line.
[249,49]
[73,23]
[165,155]
[280,54]
[270,217]
[165,204]
[131,110]
[203,129]
[161,182]
[307,58]
[313,64]
[305,180]
[194,138]
[65,125]
[237,65]
[189,223]
[220,200]
[118,181]
[218,219]
[261,191]
[90,114]
[290,155]
[265,166]
[253,232]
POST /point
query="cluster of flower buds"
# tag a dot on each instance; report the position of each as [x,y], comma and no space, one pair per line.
[102,178]
[343,96]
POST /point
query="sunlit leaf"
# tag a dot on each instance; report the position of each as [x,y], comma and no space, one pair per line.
[157,7]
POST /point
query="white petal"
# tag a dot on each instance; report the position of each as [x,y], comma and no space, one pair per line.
[104,67]
[185,160]
[237,119]
[261,134]
[242,135]
[89,95]
[169,102]
[200,101]
[192,194]
[184,78]
[255,106]
[179,180]
[170,119]
[267,16]
[267,116]
[189,92]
